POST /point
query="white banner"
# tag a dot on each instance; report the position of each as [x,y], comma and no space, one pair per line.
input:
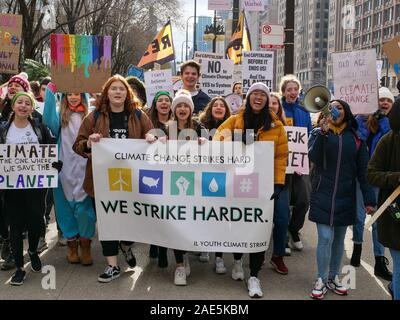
[258,66]
[159,80]
[28,166]
[298,150]
[180,195]
[219,5]
[252,5]
[355,80]
[199,55]
[216,77]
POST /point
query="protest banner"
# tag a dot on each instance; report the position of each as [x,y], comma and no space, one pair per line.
[355,80]
[80,63]
[298,150]
[28,166]
[216,77]
[179,195]
[10,42]
[136,72]
[219,5]
[258,66]
[252,5]
[160,50]
[160,80]
[392,51]
[240,41]
[199,55]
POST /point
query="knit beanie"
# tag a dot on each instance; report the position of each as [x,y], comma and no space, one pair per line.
[258,86]
[386,93]
[25,94]
[182,96]
[22,80]
[159,94]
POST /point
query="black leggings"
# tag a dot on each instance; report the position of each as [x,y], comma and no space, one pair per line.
[256,261]
[24,209]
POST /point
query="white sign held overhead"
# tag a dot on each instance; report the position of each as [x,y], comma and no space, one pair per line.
[160,80]
[355,80]
[219,5]
[216,77]
[272,36]
[258,66]
[252,5]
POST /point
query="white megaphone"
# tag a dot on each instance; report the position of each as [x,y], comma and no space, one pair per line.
[317,99]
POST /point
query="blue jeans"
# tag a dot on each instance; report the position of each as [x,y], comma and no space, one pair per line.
[358,228]
[330,250]
[281,222]
[396,273]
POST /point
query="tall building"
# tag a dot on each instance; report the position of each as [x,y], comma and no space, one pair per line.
[280,56]
[374,23]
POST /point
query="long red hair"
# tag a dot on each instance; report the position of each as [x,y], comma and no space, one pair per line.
[131,102]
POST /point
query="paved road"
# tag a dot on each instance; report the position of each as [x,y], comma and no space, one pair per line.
[147,281]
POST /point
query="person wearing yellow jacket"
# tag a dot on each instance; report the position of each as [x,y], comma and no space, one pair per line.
[257,122]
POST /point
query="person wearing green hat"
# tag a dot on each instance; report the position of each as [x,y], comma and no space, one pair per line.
[24,207]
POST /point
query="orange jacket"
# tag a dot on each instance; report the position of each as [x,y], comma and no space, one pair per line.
[277,134]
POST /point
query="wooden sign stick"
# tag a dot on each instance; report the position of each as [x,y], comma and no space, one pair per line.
[383,207]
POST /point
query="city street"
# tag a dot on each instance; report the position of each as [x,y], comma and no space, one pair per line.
[148,282]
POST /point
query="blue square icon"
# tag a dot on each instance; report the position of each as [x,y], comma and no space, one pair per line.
[213,184]
[150,182]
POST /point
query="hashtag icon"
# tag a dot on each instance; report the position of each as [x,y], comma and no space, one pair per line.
[246,185]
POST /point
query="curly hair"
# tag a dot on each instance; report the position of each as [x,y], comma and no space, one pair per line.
[103,103]
[206,116]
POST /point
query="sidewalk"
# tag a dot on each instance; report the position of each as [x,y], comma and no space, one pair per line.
[147,281]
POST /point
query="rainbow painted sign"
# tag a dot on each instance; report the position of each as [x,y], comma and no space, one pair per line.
[80,63]
[10,42]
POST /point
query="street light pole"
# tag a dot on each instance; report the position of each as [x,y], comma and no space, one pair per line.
[214,44]
[195,27]
[187,40]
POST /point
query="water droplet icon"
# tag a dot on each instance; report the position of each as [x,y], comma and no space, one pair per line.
[213,187]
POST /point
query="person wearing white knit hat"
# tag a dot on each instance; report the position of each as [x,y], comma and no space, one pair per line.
[258,86]
[371,129]
[182,96]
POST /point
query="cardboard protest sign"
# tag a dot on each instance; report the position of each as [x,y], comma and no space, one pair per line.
[28,166]
[198,56]
[258,66]
[392,51]
[355,80]
[180,195]
[80,63]
[136,72]
[216,77]
[10,42]
[160,80]
[298,150]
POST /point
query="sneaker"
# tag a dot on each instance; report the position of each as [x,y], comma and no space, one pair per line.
[5,249]
[237,270]
[109,274]
[42,245]
[254,286]
[319,290]
[9,264]
[295,242]
[62,241]
[186,265]
[279,265]
[18,278]
[204,257]
[219,266]
[36,264]
[335,286]
[129,256]
[288,251]
[180,276]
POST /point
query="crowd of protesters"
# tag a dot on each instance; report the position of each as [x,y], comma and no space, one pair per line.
[355,166]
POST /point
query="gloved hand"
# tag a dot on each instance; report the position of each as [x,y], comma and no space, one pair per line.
[57,165]
[278,188]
